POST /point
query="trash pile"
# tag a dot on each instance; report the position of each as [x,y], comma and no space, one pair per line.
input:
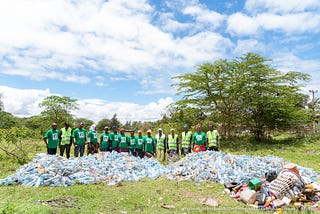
[276,191]
[111,168]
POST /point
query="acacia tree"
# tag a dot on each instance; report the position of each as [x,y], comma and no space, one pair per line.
[58,109]
[244,93]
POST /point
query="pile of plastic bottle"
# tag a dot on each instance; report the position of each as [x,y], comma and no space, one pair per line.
[112,168]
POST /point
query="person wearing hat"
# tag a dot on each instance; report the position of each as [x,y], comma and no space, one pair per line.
[93,144]
[161,146]
[132,145]
[51,139]
[173,146]
[114,138]
[212,139]
[105,140]
[79,138]
[199,139]
[65,139]
[186,141]
[139,145]
[123,141]
[149,146]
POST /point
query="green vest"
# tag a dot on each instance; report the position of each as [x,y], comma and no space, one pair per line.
[172,142]
[212,138]
[186,139]
[160,141]
[65,136]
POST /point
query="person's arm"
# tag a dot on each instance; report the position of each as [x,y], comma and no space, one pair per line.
[45,138]
[177,145]
[165,144]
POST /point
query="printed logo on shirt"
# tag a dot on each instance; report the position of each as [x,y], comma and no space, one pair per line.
[81,135]
[105,138]
[140,141]
[199,137]
[123,139]
[54,136]
[95,135]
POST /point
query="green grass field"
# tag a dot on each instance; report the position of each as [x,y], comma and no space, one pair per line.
[152,196]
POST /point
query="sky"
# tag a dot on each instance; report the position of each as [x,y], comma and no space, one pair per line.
[119,56]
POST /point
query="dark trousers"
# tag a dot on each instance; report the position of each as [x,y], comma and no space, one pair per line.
[66,147]
[51,151]
[140,153]
[78,149]
[213,148]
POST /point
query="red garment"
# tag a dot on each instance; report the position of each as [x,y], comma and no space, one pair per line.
[198,148]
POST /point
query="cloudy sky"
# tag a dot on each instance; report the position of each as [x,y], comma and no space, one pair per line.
[118,56]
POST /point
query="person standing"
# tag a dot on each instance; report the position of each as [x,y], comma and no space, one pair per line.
[79,138]
[105,140]
[186,141]
[123,141]
[139,145]
[65,139]
[161,146]
[51,139]
[173,146]
[114,138]
[132,145]
[213,139]
[93,144]
[149,145]
[199,139]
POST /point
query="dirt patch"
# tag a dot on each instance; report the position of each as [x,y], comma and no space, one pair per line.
[312,152]
[68,202]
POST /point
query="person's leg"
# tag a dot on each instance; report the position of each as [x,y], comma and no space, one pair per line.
[76,150]
[61,148]
[81,150]
[68,147]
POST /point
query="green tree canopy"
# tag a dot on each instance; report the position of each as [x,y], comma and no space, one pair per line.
[245,94]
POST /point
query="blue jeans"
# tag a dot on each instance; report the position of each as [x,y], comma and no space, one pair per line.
[77,149]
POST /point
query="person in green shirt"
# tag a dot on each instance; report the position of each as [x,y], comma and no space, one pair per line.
[123,141]
[149,145]
[51,139]
[132,145]
[199,139]
[65,139]
[93,144]
[139,145]
[105,140]
[114,138]
[79,137]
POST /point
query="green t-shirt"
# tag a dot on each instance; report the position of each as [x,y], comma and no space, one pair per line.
[80,136]
[114,137]
[53,138]
[92,137]
[123,141]
[149,144]
[132,144]
[139,142]
[104,140]
[199,138]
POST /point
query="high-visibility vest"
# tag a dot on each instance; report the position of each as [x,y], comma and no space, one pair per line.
[160,141]
[172,142]
[65,136]
[186,139]
[212,137]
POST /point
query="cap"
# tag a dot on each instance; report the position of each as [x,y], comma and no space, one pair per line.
[185,126]
[106,127]
[81,123]
[172,129]
[122,129]
[139,131]
[149,131]
[160,129]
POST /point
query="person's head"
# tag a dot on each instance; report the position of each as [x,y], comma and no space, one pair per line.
[54,126]
[198,127]
[132,133]
[185,128]
[160,130]
[106,129]
[140,133]
[81,125]
[172,131]
[122,131]
[93,127]
[211,127]
[149,132]
[114,128]
[67,124]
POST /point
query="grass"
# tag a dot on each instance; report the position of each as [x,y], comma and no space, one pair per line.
[151,196]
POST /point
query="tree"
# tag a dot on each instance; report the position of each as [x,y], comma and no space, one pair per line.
[1,103]
[103,123]
[115,121]
[7,120]
[58,109]
[244,94]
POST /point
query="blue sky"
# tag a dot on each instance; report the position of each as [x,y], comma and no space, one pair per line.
[119,56]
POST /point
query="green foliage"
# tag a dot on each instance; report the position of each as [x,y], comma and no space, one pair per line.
[87,123]
[7,120]
[243,94]
[103,123]
[114,121]
[9,208]
[58,109]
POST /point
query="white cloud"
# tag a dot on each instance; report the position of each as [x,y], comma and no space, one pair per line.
[242,24]
[277,6]
[248,45]
[25,103]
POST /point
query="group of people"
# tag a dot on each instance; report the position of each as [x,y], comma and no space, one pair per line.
[159,146]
